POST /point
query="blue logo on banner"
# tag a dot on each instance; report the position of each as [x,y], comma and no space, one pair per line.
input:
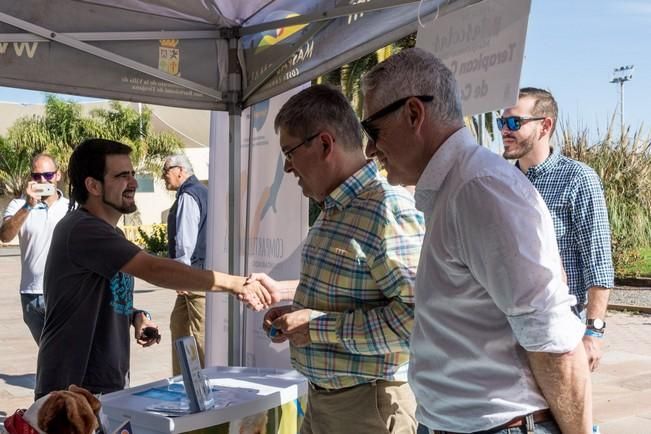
[260,112]
[270,38]
[274,189]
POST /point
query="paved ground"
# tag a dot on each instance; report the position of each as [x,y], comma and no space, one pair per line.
[18,351]
[622,386]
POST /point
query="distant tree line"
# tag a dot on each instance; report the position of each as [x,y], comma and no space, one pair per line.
[64,126]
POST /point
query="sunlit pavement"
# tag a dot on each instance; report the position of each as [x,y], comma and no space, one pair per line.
[18,351]
[622,384]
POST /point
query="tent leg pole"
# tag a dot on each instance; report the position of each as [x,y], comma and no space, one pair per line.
[234,218]
[216,254]
[247,225]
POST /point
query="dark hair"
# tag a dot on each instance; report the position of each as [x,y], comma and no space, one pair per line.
[545,105]
[89,159]
[318,107]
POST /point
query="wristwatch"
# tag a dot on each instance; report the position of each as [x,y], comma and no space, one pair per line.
[139,311]
[596,324]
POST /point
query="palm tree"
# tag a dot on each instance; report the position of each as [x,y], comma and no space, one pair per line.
[14,167]
[63,127]
[128,126]
[157,147]
[27,137]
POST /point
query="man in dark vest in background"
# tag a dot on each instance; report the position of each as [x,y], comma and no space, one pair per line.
[186,234]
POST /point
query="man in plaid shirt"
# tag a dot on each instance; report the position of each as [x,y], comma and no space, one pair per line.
[353,307]
[575,198]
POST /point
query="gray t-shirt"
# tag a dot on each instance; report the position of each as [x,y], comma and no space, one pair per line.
[88,303]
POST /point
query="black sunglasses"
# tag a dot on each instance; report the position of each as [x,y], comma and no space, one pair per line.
[288,154]
[36,176]
[514,123]
[373,132]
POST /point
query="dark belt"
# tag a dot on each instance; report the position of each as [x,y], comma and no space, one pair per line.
[538,417]
[325,389]
[320,389]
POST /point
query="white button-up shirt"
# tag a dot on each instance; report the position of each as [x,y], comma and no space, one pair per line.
[488,289]
[35,236]
[188,217]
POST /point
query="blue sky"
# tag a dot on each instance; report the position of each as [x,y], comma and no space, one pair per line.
[574,45]
[572,48]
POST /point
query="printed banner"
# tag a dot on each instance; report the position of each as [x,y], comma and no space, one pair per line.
[483,45]
[278,218]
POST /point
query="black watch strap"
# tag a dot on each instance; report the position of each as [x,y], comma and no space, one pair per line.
[139,311]
[596,324]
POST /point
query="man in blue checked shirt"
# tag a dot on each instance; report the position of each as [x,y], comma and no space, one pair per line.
[575,198]
[353,307]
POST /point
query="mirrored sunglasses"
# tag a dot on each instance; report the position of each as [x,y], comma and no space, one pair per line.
[514,123]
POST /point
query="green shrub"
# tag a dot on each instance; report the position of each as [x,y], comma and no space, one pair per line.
[153,241]
[624,165]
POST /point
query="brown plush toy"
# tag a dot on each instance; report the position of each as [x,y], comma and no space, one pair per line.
[72,411]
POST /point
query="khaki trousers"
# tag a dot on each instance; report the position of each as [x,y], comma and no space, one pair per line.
[188,319]
[373,408]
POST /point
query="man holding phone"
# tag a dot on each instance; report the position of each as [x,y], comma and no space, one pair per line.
[33,217]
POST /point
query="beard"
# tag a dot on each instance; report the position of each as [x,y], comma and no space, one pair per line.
[520,149]
[123,208]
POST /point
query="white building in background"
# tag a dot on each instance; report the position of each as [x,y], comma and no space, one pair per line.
[153,200]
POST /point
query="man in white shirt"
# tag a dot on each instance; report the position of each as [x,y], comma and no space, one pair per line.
[32,217]
[186,237]
[495,344]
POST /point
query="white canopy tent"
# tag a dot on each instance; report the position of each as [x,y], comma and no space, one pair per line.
[209,54]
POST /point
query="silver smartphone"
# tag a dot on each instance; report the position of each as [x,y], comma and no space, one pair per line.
[43,189]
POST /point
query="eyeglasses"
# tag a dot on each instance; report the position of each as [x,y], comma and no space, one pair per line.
[514,123]
[167,169]
[288,154]
[373,132]
[36,176]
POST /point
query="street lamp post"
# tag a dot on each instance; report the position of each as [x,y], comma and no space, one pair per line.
[621,75]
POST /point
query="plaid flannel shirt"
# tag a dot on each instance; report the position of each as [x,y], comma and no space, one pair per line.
[575,198]
[358,271]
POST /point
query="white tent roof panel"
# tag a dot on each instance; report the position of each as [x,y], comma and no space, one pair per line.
[176,53]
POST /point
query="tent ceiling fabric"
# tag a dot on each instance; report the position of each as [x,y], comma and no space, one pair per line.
[222,13]
[54,67]
[272,61]
[207,12]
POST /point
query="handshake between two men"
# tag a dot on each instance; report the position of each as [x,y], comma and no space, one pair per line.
[283,322]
